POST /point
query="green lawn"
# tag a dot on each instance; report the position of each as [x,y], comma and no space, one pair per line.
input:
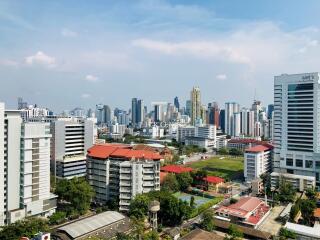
[222,166]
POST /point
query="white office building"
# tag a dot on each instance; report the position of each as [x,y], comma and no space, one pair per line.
[24,168]
[257,160]
[71,138]
[119,172]
[230,109]
[297,125]
[185,131]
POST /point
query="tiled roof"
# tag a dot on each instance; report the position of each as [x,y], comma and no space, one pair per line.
[120,151]
[176,169]
[244,140]
[242,208]
[213,179]
[199,234]
[258,148]
[317,213]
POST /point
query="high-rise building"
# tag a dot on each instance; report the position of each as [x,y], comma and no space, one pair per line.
[222,120]
[297,129]
[188,108]
[195,98]
[270,110]
[236,125]
[214,114]
[137,112]
[256,108]
[71,138]
[121,173]
[158,112]
[230,109]
[24,168]
[22,104]
[247,122]
[176,103]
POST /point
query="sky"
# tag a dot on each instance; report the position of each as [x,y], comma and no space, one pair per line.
[78,53]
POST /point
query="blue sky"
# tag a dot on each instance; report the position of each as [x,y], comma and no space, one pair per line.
[63,54]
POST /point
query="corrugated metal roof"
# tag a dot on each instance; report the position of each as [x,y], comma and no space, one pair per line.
[91,224]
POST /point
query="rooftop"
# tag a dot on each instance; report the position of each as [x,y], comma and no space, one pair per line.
[213,179]
[258,148]
[90,224]
[199,234]
[250,208]
[316,213]
[176,169]
[303,230]
[104,151]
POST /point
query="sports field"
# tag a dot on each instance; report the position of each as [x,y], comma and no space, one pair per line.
[222,166]
[197,199]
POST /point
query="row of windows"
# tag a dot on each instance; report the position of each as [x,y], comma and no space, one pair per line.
[301,86]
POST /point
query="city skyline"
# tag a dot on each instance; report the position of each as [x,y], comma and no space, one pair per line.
[90,52]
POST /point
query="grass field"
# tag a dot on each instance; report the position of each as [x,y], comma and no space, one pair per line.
[222,166]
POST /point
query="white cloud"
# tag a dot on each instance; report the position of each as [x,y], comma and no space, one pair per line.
[203,49]
[68,33]
[91,78]
[221,77]
[41,58]
[85,95]
[8,63]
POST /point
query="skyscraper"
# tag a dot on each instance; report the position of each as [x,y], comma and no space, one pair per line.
[137,112]
[222,120]
[270,110]
[214,114]
[176,103]
[188,108]
[297,129]
[230,109]
[195,98]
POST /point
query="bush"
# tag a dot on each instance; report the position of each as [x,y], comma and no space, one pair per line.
[57,218]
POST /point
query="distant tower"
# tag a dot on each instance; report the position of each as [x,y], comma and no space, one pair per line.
[154,208]
[195,97]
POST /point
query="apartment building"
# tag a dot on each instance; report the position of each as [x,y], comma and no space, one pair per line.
[24,168]
[257,160]
[71,138]
[297,126]
[120,172]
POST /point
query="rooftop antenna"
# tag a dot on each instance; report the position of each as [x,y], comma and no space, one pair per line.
[255,95]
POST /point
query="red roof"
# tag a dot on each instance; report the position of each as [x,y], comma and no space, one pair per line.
[176,169]
[243,207]
[213,179]
[120,151]
[163,176]
[244,140]
[259,148]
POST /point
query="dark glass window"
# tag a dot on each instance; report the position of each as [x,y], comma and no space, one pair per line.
[309,164]
[304,86]
[289,162]
[299,163]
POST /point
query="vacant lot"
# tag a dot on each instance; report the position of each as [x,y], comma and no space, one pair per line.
[222,166]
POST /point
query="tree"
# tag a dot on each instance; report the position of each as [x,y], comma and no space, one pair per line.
[286,192]
[266,180]
[234,233]
[192,202]
[77,192]
[307,209]
[184,180]
[295,209]
[207,220]
[139,206]
[26,228]
[235,152]
[311,193]
[57,218]
[123,236]
[233,200]
[286,234]
[170,183]
[223,151]
[153,235]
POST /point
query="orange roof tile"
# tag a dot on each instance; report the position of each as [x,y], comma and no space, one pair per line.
[213,179]
[317,213]
[258,148]
[176,169]
[108,150]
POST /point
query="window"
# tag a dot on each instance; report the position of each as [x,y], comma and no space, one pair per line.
[299,163]
[289,162]
[317,165]
[309,164]
[290,171]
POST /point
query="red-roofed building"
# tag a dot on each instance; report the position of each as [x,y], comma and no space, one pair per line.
[257,160]
[118,171]
[248,211]
[213,183]
[176,169]
[245,143]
